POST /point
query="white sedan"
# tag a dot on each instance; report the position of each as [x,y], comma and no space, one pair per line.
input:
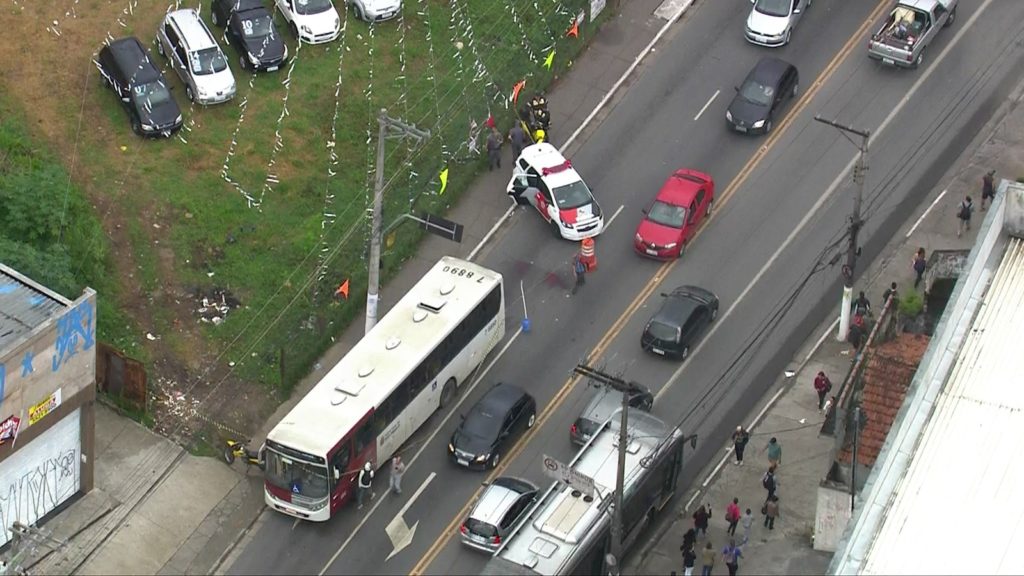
[771,22]
[311,21]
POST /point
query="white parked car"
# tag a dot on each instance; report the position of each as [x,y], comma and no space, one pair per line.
[311,21]
[771,22]
[376,10]
[196,57]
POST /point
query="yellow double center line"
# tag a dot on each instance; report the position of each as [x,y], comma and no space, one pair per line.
[663,271]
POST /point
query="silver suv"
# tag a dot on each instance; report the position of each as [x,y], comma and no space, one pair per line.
[603,402]
[194,54]
[503,503]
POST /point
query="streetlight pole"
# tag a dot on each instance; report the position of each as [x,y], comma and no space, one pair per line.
[397,129]
[852,250]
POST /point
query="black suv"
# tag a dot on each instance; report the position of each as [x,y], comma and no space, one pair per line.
[493,424]
[683,317]
[762,95]
[125,66]
[250,28]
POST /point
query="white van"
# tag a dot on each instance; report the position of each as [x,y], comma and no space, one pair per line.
[197,58]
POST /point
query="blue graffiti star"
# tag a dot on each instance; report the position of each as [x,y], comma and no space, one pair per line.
[26,364]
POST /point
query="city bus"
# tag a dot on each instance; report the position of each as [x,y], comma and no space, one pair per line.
[409,365]
[569,532]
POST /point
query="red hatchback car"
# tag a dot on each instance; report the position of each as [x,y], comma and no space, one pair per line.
[675,214]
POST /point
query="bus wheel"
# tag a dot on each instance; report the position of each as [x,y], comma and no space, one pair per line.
[448,393]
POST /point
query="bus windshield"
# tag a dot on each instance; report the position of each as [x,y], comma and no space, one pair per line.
[304,479]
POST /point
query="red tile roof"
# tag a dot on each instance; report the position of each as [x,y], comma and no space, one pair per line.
[890,369]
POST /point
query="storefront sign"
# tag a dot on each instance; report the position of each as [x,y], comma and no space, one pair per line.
[9,429]
[49,404]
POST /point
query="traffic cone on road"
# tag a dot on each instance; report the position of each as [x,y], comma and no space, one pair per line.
[587,254]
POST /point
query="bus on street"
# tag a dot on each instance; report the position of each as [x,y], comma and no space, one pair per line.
[410,364]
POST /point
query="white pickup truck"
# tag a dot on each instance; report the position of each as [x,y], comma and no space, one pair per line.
[910,28]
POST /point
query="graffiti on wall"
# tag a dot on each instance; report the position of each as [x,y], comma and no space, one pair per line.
[77,323]
[36,491]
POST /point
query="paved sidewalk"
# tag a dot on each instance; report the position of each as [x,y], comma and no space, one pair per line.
[158,510]
[790,412]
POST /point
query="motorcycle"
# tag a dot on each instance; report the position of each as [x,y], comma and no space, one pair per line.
[234,449]
[535,118]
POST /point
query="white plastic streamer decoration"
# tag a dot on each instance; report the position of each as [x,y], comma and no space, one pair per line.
[522,32]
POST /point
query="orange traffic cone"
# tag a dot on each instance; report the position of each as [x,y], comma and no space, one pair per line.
[587,254]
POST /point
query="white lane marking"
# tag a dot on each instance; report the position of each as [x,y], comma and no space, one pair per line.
[929,209]
[828,193]
[400,533]
[590,117]
[612,219]
[462,398]
[712,99]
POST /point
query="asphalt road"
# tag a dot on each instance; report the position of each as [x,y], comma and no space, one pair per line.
[757,251]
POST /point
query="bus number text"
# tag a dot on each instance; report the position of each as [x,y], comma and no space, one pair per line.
[461,272]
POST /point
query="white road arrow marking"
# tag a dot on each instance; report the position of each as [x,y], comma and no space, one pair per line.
[400,533]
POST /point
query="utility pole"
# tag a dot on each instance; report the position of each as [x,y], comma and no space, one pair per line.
[387,128]
[614,559]
[852,250]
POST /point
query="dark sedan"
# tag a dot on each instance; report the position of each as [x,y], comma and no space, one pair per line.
[763,94]
[684,316]
[492,425]
[250,28]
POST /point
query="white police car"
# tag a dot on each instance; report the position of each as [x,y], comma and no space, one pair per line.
[544,179]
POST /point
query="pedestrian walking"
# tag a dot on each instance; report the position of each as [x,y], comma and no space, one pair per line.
[963,215]
[397,471]
[861,306]
[890,291]
[493,150]
[771,512]
[700,520]
[739,443]
[365,485]
[822,385]
[769,482]
[731,554]
[579,270]
[774,450]
[988,189]
[919,266]
[517,137]
[732,516]
[748,523]
[855,336]
[689,539]
[689,559]
[707,559]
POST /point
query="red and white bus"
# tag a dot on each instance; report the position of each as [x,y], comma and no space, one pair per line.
[409,365]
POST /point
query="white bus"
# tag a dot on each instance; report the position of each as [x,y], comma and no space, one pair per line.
[568,532]
[409,365]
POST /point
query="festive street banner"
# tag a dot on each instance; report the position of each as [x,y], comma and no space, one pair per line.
[516,90]
[549,60]
[444,180]
[342,290]
[574,30]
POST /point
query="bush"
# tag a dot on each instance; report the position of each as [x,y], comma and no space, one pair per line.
[911,305]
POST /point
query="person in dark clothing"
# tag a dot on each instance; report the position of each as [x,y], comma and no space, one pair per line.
[769,482]
[890,291]
[861,306]
[731,554]
[919,266]
[988,189]
[579,270]
[517,137]
[494,150]
[739,442]
[771,512]
[700,520]
[689,559]
[689,539]
[963,215]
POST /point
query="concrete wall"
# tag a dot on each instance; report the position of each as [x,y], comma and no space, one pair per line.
[831,515]
[1013,217]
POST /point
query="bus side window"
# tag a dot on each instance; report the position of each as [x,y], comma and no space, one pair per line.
[340,459]
[364,436]
[382,416]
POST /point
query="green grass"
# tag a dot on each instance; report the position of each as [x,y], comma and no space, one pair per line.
[268,256]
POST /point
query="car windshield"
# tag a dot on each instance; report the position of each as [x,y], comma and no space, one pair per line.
[773,7]
[307,7]
[151,95]
[208,61]
[481,528]
[754,91]
[662,331]
[258,27]
[572,195]
[667,214]
[297,477]
[483,422]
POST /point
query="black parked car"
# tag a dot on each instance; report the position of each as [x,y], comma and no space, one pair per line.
[767,88]
[126,67]
[491,426]
[683,317]
[249,26]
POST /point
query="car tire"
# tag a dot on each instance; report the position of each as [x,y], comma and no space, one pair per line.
[359,12]
[495,460]
[789,35]
[136,126]
[714,313]
[189,93]
[919,60]
[554,230]
[160,47]
[684,353]
[707,211]
[682,251]
[295,30]
[768,126]
[951,19]
[532,420]
[243,63]
[796,90]
[448,392]
[214,18]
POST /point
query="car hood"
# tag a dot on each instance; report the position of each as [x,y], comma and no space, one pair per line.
[272,51]
[744,112]
[767,25]
[162,115]
[321,23]
[471,444]
[573,215]
[377,6]
[654,233]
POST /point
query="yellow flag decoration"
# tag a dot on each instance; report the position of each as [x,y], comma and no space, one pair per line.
[549,60]
[444,180]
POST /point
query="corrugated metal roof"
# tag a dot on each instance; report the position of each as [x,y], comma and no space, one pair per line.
[961,492]
[24,305]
